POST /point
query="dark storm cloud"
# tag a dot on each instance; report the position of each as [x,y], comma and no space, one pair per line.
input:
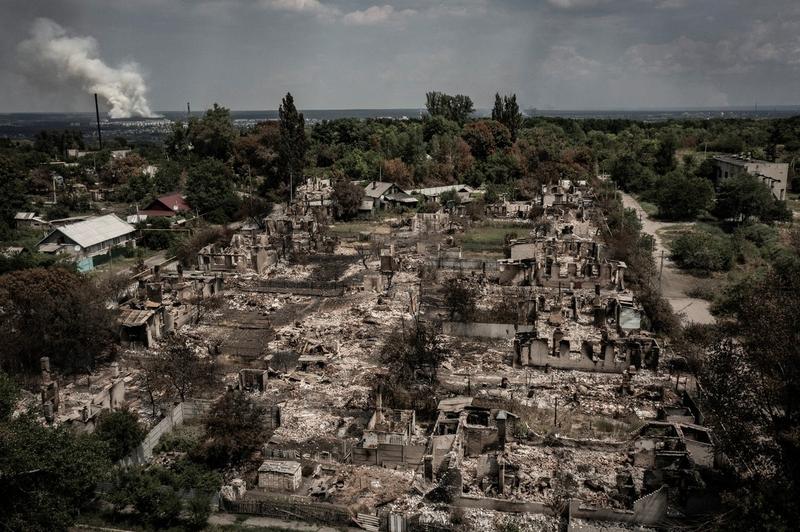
[386,53]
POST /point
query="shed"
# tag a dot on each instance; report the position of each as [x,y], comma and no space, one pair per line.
[280,475]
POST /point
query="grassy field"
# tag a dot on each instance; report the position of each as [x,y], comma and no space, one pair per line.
[793,201]
[650,208]
[490,238]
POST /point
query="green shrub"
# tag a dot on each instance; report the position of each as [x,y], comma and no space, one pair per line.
[703,252]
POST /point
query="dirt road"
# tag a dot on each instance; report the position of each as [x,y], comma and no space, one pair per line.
[675,284]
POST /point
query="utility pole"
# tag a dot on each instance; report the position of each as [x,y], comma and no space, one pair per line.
[291,187]
[97,115]
[555,415]
[661,270]
[54,190]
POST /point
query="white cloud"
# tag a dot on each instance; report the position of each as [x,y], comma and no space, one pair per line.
[314,7]
[565,63]
[763,44]
[576,4]
[376,15]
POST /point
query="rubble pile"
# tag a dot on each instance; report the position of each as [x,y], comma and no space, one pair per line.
[543,403]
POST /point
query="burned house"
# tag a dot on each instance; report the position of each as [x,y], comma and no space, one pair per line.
[566,261]
[244,253]
[164,303]
[389,426]
[79,406]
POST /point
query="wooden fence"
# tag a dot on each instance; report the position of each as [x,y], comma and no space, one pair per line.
[389,455]
[290,506]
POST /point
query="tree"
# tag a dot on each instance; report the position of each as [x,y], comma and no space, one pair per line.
[213,135]
[234,428]
[630,175]
[210,190]
[485,137]
[413,354]
[680,196]
[449,197]
[397,172]
[181,367]
[346,198]
[156,233]
[750,377]
[665,155]
[12,188]
[169,177]
[9,394]
[357,165]
[156,502]
[506,111]
[56,143]
[52,312]
[48,474]
[456,108]
[744,196]
[460,297]
[491,196]
[436,125]
[121,171]
[293,144]
[256,153]
[121,431]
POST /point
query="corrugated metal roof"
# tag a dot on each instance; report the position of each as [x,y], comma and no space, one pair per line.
[376,189]
[435,191]
[401,197]
[96,230]
[134,317]
[286,467]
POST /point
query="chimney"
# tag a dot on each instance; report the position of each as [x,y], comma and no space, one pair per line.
[379,407]
[45,365]
[48,412]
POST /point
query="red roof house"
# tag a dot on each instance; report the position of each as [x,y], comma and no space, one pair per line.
[168,205]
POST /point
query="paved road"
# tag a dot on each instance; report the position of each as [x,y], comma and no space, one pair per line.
[675,283]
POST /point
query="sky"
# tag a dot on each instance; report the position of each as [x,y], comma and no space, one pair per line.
[345,54]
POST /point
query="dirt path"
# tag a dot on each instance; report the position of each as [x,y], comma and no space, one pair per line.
[675,284]
[271,523]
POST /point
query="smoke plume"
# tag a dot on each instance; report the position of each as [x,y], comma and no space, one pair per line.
[51,51]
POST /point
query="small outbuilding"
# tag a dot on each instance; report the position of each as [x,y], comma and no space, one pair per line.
[280,475]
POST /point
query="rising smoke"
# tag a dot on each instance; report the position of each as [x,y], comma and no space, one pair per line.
[50,51]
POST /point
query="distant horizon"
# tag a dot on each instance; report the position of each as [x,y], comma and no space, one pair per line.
[478,110]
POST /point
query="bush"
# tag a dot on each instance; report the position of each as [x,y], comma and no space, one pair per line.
[703,252]
[186,250]
[121,431]
[156,233]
